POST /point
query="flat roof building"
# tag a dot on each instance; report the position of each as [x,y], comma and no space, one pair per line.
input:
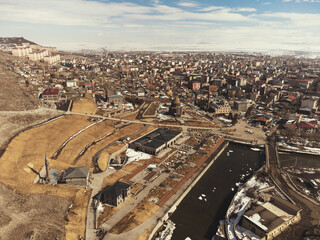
[156,141]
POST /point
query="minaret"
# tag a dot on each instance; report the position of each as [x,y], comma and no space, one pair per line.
[47,169]
[208,99]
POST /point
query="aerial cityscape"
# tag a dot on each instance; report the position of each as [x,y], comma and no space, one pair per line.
[160,120]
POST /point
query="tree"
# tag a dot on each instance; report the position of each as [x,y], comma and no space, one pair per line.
[235,119]
[249,112]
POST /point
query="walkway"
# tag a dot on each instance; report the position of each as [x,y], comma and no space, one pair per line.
[95,184]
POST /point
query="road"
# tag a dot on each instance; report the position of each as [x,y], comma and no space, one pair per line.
[258,137]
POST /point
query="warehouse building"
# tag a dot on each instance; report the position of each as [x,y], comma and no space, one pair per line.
[156,141]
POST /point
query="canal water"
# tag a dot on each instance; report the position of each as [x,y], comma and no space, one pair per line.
[199,213]
[299,160]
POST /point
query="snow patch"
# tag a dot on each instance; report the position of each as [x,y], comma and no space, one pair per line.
[100,207]
[136,155]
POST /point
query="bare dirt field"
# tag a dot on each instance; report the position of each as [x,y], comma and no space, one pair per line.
[85,106]
[130,167]
[142,212]
[112,178]
[31,216]
[131,116]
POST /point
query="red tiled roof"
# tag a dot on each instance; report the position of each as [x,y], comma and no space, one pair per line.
[305,125]
[51,91]
[261,119]
[292,97]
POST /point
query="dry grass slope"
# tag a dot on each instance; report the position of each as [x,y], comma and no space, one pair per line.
[76,226]
[85,106]
[28,149]
[76,145]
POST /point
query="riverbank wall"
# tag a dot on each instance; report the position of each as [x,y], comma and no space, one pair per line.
[191,179]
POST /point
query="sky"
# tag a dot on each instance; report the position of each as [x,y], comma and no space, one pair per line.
[212,25]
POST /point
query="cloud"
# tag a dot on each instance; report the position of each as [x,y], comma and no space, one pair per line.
[244,10]
[211,8]
[303,1]
[129,25]
[187,4]
[296,19]
[70,13]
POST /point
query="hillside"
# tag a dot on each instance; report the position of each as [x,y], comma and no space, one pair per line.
[14,97]
[14,40]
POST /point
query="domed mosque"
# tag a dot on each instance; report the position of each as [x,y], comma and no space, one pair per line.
[175,108]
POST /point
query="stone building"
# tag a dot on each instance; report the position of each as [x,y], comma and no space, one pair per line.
[220,106]
[116,99]
[76,176]
[175,108]
[115,194]
[271,218]
[242,105]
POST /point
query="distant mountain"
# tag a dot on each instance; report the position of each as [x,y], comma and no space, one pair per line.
[14,40]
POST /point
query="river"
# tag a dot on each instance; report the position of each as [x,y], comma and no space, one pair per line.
[199,219]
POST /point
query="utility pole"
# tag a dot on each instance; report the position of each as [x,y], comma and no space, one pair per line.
[47,170]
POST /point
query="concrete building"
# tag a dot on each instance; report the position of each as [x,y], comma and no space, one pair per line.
[156,141]
[38,55]
[318,87]
[115,99]
[220,106]
[76,176]
[242,105]
[51,95]
[115,194]
[309,104]
[271,218]
[176,108]
[72,83]
[52,58]
[21,51]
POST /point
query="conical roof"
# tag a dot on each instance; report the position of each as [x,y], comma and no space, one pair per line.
[176,100]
